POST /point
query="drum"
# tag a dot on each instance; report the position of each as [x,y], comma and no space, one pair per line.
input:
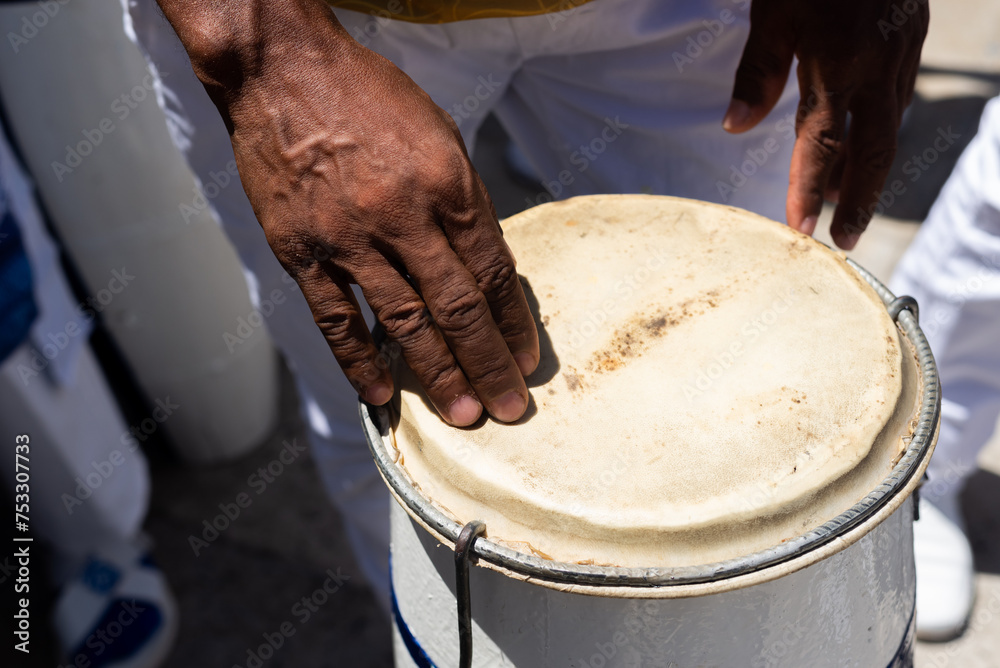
[716,468]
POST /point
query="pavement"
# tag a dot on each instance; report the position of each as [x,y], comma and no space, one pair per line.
[247,583]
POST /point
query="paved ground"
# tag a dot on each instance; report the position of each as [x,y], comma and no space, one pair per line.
[247,581]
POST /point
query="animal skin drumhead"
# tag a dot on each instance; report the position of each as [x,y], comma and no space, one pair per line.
[712,383]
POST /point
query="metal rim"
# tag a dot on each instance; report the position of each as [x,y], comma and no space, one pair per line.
[375,420]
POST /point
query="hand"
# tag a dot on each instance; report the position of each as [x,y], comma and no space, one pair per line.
[857,56]
[358,177]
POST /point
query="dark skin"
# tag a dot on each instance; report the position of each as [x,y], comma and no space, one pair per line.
[853,57]
[357,177]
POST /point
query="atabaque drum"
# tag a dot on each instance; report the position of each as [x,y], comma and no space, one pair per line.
[716,468]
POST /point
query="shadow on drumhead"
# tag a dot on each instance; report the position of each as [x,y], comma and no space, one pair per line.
[548,362]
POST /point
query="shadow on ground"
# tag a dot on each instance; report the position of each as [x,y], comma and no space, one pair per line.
[981,506]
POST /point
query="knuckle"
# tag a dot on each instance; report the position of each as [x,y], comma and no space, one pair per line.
[405,320]
[761,65]
[335,324]
[498,281]
[878,159]
[461,309]
[438,374]
[826,140]
[489,371]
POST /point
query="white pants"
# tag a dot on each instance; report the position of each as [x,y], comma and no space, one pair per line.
[613,96]
[953,270]
[89,485]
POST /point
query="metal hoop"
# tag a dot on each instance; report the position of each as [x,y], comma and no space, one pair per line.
[376,421]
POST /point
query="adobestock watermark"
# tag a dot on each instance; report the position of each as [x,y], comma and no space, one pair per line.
[697,44]
[898,16]
[302,611]
[205,192]
[749,333]
[487,85]
[120,109]
[378,19]
[245,327]
[258,481]
[933,319]
[56,342]
[984,615]
[120,616]
[623,288]
[31,25]
[103,469]
[581,158]
[563,12]
[915,167]
[756,158]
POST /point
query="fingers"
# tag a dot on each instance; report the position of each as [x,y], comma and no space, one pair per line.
[482,249]
[763,69]
[871,148]
[339,318]
[408,321]
[467,318]
[821,118]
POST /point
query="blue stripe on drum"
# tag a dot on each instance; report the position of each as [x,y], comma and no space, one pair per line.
[417,652]
[904,655]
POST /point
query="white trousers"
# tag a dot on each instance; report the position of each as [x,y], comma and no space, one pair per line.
[953,270]
[89,485]
[614,96]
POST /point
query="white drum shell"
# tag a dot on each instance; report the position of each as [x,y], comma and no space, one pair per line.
[853,609]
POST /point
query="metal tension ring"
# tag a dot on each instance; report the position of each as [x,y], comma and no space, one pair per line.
[904,303]
[463,550]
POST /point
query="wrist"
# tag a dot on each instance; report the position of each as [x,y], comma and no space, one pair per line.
[233,43]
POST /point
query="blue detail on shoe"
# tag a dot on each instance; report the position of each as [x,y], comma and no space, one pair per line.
[100,576]
[148,562]
[124,629]
[17,302]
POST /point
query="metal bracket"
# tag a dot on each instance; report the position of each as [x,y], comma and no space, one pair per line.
[463,549]
[904,303]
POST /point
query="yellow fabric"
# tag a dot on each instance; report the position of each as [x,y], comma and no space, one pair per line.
[447,11]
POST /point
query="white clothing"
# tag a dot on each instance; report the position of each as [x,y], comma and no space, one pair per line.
[88,486]
[953,270]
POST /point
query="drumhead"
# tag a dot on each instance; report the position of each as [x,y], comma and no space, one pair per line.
[712,384]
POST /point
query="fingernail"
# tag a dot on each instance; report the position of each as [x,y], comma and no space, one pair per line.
[525,362]
[509,407]
[808,225]
[464,411]
[379,393]
[737,116]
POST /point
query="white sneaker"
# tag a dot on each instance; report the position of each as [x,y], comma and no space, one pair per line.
[945,585]
[117,612]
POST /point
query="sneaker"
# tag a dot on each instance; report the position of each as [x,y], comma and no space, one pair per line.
[945,584]
[117,612]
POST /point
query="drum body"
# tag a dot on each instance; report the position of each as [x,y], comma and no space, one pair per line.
[853,609]
[729,425]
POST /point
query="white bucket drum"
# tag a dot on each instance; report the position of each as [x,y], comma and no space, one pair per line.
[716,468]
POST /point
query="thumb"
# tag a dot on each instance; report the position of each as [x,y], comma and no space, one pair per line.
[763,69]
